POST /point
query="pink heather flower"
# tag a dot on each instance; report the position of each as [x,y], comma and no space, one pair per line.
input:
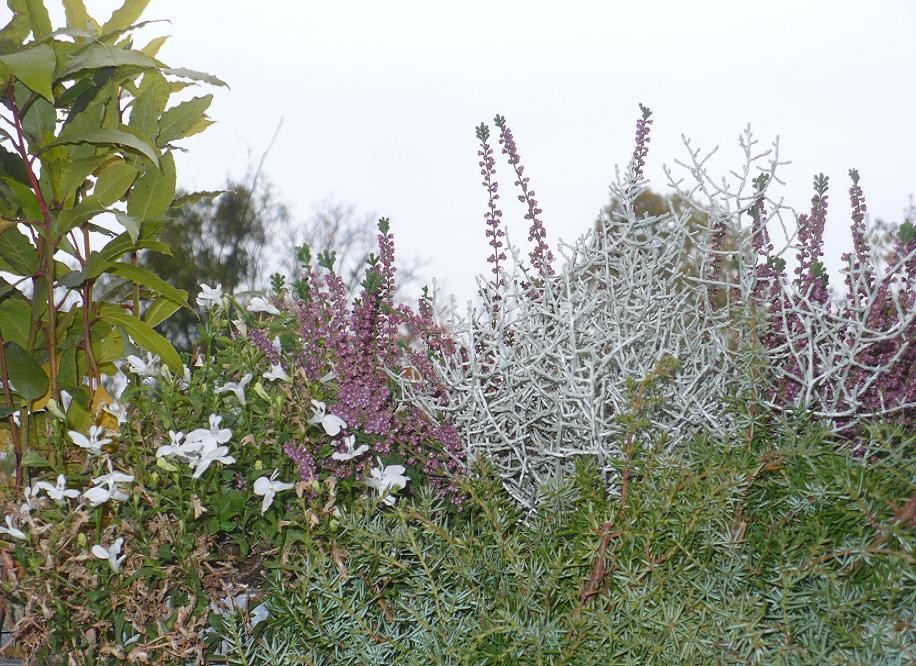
[541,256]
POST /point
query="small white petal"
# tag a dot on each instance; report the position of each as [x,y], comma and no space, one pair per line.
[260,304]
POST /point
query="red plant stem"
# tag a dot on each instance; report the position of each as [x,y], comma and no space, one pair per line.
[8,399]
[48,244]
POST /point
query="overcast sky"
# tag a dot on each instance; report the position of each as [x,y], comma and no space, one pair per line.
[379,100]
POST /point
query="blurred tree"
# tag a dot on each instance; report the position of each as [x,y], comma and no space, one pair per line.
[338,228]
[651,204]
[215,241]
[240,237]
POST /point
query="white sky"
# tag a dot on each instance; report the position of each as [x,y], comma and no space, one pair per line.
[379,101]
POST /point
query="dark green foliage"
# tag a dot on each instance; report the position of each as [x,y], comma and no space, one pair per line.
[787,551]
[215,241]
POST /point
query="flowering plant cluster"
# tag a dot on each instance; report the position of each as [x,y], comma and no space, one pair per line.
[285,416]
[541,372]
[846,359]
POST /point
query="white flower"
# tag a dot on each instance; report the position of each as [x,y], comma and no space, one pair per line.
[59,492]
[174,448]
[97,496]
[111,554]
[387,480]
[118,411]
[210,296]
[270,487]
[113,478]
[199,361]
[185,381]
[236,387]
[148,368]
[12,531]
[92,444]
[25,509]
[350,452]
[277,345]
[65,400]
[331,423]
[328,377]
[196,438]
[240,326]
[210,454]
[100,494]
[276,373]
[260,304]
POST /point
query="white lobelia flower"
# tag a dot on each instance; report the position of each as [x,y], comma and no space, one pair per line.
[270,487]
[148,368]
[97,496]
[113,478]
[236,387]
[210,296]
[106,487]
[25,509]
[111,554]
[350,452]
[276,373]
[117,410]
[260,304]
[331,423]
[184,382]
[386,481]
[209,454]
[173,448]
[92,443]
[59,493]
[11,530]
[197,437]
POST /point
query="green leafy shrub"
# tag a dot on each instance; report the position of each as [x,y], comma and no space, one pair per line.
[90,127]
[788,551]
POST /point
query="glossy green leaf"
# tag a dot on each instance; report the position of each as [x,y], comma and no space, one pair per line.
[191,198]
[154,190]
[34,67]
[84,211]
[26,374]
[179,120]
[160,310]
[95,266]
[38,16]
[19,26]
[143,334]
[125,16]
[98,56]
[194,75]
[74,175]
[130,223]
[113,182]
[11,165]
[77,16]
[145,278]
[25,197]
[17,254]
[119,137]
[152,49]
[15,320]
